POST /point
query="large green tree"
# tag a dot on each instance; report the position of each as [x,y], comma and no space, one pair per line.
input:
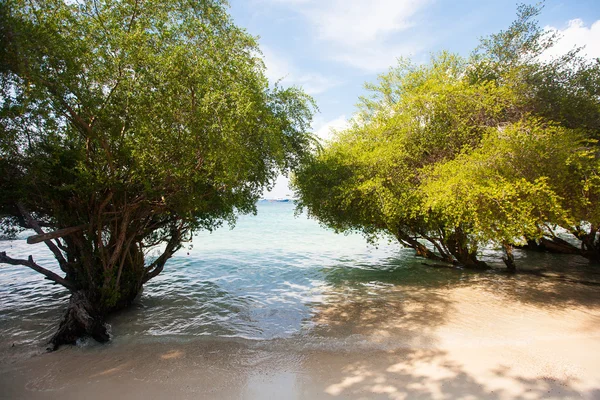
[125,126]
[449,156]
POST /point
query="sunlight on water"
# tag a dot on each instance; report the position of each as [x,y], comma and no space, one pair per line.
[274,276]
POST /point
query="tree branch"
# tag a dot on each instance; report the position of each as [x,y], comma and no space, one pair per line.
[4,259]
[44,237]
[80,123]
[133,16]
[33,224]
[157,266]
[116,252]
[437,246]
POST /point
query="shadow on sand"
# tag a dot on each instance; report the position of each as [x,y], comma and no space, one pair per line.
[423,334]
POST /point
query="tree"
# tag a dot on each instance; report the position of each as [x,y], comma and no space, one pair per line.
[125,127]
[519,183]
[564,90]
[452,155]
[418,116]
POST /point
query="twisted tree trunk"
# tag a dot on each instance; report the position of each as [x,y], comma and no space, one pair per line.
[112,290]
[453,249]
[81,318]
[103,265]
[465,255]
[90,305]
[420,248]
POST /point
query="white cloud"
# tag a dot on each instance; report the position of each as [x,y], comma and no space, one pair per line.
[361,33]
[279,68]
[325,129]
[376,57]
[358,22]
[576,34]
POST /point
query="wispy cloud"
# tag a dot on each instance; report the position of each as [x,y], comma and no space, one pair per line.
[363,34]
[326,129]
[280,69]
[576,35]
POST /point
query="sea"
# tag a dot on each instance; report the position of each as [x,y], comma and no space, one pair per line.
[279,277]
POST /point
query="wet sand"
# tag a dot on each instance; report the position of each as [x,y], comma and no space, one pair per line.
[464,342]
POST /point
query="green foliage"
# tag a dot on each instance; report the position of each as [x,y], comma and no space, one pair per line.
[142,121]
[521,178]
[463,152]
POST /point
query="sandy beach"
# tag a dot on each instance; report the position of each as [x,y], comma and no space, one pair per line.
[462,343]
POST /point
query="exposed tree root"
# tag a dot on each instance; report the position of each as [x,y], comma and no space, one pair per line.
[80,320]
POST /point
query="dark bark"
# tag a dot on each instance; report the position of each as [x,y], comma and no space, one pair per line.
[558,245]
[88,308]
[509,259]
[419,247]
[466,256]
[4,259]
[104,269]
[115,282]
[440,246]
[456,244]
[157,266]
[33,224]
[551,245]
[55,234]
[590,248]
[82,318]
[532,245]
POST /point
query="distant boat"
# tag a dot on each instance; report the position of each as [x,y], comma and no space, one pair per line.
[279,200]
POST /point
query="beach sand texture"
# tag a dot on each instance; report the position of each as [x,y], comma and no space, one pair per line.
[469,342]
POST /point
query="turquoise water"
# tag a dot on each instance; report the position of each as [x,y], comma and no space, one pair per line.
[272,277]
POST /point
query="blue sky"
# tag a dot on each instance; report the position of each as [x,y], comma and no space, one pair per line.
[331,47]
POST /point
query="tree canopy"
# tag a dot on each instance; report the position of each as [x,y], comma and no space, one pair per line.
[449,156]
[127,125]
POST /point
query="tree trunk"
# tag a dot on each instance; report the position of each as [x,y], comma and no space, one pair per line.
[106,288]
[86,315]
[81,319]
[555,245]
[102,261]
[509,260]
[465,256]
[456,244]
[102,291]
[532,245]
[590,248]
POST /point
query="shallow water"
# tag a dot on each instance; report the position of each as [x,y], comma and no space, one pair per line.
[278,278]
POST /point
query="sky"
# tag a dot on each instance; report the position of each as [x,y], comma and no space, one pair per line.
[332,47]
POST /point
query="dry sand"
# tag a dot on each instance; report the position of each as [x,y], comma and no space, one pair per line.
[455,343]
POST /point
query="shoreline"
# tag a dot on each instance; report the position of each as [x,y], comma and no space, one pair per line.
[464,343]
